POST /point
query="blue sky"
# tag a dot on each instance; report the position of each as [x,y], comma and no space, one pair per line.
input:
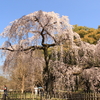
[81,12]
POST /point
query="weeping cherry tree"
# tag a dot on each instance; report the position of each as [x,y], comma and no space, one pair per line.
[39,30]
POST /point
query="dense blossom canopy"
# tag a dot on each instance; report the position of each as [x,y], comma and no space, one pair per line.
[38,28]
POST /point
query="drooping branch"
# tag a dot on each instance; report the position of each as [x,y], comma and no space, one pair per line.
[23,49]
[4,48]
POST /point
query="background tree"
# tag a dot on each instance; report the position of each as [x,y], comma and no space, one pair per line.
[87,34]
[25,70]
[3,81]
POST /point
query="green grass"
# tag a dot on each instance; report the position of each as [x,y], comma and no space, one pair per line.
[57,99]
[18,96]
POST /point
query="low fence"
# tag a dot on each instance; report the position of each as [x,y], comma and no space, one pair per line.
[77,96]
[15,95]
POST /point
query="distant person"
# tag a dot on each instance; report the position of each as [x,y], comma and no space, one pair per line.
[36,90]
[5,90]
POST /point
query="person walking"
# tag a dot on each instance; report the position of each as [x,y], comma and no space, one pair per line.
[5,92]
[5,89]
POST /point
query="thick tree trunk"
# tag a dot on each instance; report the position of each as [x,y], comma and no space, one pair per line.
[46,70]
[47,76]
